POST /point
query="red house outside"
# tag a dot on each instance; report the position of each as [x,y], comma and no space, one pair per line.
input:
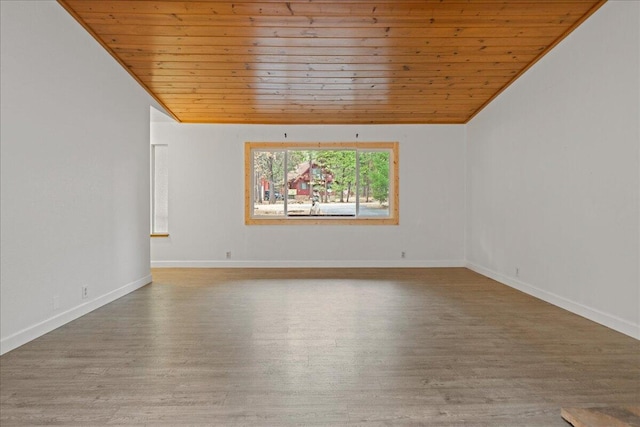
[299,180]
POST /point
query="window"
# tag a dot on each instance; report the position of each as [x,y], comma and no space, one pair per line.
[302,183]
[159,190]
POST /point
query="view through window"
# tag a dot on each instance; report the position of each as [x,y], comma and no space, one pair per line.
[330,181]
[159,189]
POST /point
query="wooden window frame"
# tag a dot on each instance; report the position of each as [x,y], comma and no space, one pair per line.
[394,183]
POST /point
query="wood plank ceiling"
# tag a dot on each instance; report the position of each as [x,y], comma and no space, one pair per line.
[328,61]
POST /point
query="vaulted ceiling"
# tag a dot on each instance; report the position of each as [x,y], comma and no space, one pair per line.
[328,61]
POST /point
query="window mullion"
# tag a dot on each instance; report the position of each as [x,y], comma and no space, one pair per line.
[357,183]
[153,189]
[286,183]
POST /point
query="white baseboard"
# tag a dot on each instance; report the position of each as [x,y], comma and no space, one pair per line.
[32,332]
[308,264]
[605,319]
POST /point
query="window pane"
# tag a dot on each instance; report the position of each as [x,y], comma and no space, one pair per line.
[298,183]
[160,188]
[338,189]
[321,182]
[374,183]
[268,183]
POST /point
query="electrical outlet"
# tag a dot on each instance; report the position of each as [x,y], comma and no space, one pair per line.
[229,255]
[403,254]
[85,292]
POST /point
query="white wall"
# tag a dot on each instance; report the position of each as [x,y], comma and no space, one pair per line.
[206,201]
[553,175]
[74,173]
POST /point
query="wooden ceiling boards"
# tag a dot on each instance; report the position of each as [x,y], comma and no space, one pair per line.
[328,61]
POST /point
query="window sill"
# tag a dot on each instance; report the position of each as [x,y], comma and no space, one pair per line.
[321,220]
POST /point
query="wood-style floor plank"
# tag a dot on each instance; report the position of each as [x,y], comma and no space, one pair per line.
[596,417]
[437,347]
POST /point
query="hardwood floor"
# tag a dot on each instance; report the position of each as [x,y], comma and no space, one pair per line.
[278,347]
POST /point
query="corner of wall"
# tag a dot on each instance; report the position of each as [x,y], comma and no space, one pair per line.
[466,190]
